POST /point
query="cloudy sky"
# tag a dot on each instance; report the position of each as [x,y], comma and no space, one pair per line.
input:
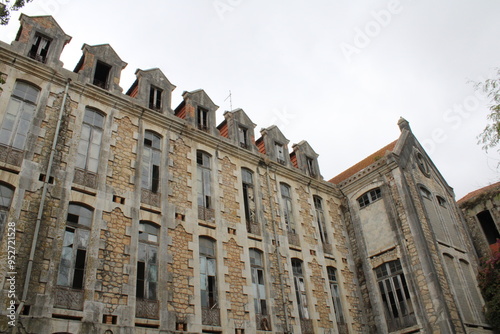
[338,74]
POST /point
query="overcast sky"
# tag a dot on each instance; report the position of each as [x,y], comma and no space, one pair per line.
[338,74]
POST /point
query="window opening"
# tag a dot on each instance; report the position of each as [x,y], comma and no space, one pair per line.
[202,119]
[40,48]
[310,167]
[151,162]
[300,288]
[155,94]
[90,141]
[334,288]
[6,195]
[369,197]
[320,219]
[147,263]
[488,225]
[248,198]
[204,184]
[101,74]
[287,207]
[280,153]
[243,136]
[208,273]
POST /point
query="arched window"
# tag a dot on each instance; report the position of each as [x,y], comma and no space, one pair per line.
[75,242]
[89,146]
[395,295]
[204,179]
[19,114]
[147,261]
[249,200]
[151,153]
[369,197]
[337,303]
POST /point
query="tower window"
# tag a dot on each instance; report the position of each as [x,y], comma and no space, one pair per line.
[101,74]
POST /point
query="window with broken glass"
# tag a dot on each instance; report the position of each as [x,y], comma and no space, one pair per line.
[259,289]
[243,137]
[248,198]
[87,157]
[40,48]
[75,243]
[286,199]
[208,274]
[311,168]
[300,288]
[147,261]
[202,118]
[395,295]
[320,219]
[369,197]
[155,95]
[151,162]
[337,303]
[6,194]
[18,116]
[204,179]
[280,153]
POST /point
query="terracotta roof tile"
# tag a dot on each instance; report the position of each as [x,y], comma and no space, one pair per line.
[363,163]
[479,192]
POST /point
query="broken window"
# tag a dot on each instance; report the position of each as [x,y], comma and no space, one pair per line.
[20,112]
[151,162]
[248,198]
[280,153]
[243,137]
[395,295]
[300,288]
[6,194]
[75,242]
[147,261]
[488,225]
[337,303]
[101,74]
[311,168]
[40,48]
[320,219]
[202,119]
[155,94]
[286,199]
[204,179]
[208,273]
[258,281]
[369,197]
[90,141]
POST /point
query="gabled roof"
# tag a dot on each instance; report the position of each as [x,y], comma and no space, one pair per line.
[479,192]
[363,163]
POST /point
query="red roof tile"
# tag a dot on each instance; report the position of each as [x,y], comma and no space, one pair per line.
[479,192]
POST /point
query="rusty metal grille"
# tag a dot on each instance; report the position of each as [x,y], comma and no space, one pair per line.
[263,322]
[145,308]
[253,228]
[327,248]
[70,299]
[210,316]
[307,326]
[150,198]
[205,213]
[293,238]
[85,178]
[11,155]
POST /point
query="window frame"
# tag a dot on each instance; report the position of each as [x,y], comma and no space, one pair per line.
[287,203]
[147,279]
[150,168]
[258,282]
[202,119]
[155,98]
[211,292]
[336,296]
[300,288]
[320,219]
[84,154]
[37,51]
[369,197]
[249,203]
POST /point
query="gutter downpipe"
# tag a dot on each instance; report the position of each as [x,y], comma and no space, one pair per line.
[42,204]
[276,250]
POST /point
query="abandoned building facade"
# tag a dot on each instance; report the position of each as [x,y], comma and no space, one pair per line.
[134,217]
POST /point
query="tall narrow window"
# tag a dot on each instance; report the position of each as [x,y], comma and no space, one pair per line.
[249,199]
[311,168]
[147,261]
[6,194]
[40,48]
[395,295]
[204,175]
[155,98]
[280,153]
[243,137]
[202,119]
[320,219]
[90,141]
[300,288]
[151,161]
[75,242]
[20,112]
[259,289]
[286,199]
[334,288]
[101,74]
[208,273]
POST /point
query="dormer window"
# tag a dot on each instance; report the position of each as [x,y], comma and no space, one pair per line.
[101,74]
[202,119]
[155,98]
[310,167]
[243,137]
[280,153]
[40,48]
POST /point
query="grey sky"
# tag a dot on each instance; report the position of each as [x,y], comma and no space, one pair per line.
[338,74]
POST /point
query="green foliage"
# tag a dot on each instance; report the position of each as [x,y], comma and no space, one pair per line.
[489,283]
[6,8]
[490,137]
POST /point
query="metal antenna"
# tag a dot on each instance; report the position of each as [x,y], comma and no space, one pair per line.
[230,101]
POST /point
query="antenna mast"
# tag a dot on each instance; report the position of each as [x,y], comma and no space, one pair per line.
[230,101]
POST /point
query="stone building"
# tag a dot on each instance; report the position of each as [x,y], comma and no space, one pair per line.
[131,216]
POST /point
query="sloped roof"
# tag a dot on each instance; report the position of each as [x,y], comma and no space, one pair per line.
[363,163]
[479,192]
